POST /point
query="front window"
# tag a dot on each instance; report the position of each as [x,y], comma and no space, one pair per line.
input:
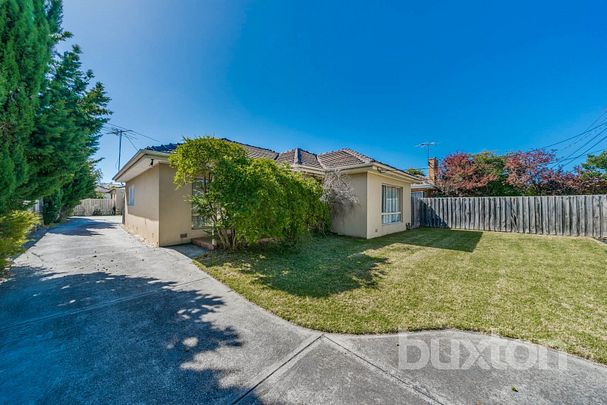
[199,187]
[391,204]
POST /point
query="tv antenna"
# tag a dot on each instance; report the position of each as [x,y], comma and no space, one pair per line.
[427,145]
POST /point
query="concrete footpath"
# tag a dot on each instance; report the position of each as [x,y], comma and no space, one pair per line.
[91,314]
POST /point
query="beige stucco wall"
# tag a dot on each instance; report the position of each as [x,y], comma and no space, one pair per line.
[142,218]
[354,222]
[175,210]
[364,219]
[162,212]
[375,227]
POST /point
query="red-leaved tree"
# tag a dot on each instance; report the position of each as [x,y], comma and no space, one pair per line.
[461,175]
[527,170]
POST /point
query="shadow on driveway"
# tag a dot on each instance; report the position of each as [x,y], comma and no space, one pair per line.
[77,226]
[148,343]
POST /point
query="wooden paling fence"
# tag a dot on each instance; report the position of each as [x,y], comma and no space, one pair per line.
[95,206]
[576,215]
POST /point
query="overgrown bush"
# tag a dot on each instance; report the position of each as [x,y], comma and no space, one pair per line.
[245,200]
[14,227]
[338,193]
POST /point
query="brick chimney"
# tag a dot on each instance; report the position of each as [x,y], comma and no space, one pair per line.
[432,170]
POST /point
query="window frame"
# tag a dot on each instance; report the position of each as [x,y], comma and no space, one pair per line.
[395,213]
[130,198]
[197,222]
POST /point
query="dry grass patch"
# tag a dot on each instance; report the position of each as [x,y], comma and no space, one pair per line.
[549,290]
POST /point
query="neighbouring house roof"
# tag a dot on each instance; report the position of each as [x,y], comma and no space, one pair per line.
[337,160]
[106,187]
[423,186]
[102,189]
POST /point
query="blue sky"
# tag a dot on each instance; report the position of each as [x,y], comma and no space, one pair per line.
[378,77]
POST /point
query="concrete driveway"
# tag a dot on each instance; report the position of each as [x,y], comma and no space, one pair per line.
[93,315]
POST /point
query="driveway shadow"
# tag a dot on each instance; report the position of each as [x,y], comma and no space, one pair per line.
[146,341]
[81,226]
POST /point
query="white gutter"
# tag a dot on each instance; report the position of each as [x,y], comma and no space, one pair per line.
[141,153]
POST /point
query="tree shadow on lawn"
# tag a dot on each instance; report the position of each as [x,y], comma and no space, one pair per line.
[437,238]
[310,270]
[323,266]
[103,337]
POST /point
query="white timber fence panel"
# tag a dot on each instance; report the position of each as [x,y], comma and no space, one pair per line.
[95,206]
[568,215]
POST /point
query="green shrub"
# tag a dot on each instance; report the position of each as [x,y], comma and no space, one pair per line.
[246,200]
[14,227]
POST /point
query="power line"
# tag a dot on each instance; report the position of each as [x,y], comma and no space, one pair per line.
[568,157]
[133,131]
[570,160]
[576,136]
[129,138]
[129,134]
[601,149]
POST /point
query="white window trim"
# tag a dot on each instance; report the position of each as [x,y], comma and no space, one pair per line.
[131,196]
[400,202]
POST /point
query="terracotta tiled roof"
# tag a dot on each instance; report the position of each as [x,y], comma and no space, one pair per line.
[256,152]
[325,161]
[342,158]
[286,157]
[300,157]
[253,151]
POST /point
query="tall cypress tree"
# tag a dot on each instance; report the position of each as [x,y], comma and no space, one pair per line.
[26,42]
[67,133]
[72,113]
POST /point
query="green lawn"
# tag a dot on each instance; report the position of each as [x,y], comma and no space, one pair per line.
[549,290]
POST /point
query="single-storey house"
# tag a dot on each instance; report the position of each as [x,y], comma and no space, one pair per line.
[160,212]
[103,191]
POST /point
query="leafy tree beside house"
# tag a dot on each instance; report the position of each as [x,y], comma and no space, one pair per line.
[26,40]
[415,172]
[596,165]
[59,204]
[464,174]
[50,118]
[518,173]
[246,200]
[72,114]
